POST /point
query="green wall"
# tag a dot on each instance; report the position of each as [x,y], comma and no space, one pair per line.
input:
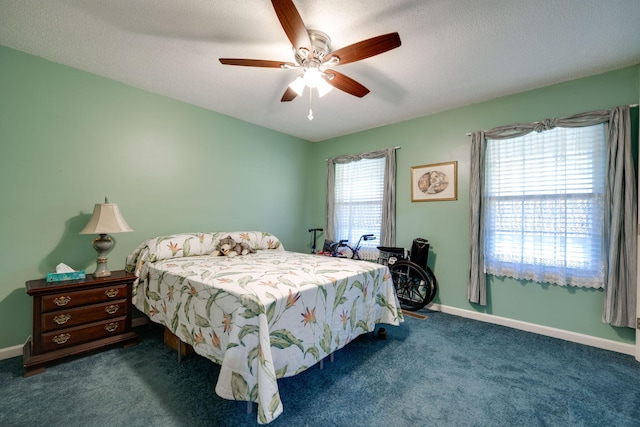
[442,138]
[69,138]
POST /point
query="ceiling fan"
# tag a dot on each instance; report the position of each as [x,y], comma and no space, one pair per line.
[312,56]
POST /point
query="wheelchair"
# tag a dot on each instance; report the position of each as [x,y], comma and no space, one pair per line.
[415,284]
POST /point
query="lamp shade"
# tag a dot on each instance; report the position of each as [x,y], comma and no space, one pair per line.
[106,219]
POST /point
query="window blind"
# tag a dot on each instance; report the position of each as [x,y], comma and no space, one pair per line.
[359,191]
[544,212]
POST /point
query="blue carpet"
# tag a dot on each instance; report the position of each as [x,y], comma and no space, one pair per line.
[442,371]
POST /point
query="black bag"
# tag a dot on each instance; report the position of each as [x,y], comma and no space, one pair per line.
[420,252]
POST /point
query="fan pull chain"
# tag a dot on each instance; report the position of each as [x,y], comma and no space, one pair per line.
[310,116]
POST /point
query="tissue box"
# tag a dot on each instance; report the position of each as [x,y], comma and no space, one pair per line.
[72,275]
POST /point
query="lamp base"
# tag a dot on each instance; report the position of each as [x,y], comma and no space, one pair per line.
[102,245]
[101,268]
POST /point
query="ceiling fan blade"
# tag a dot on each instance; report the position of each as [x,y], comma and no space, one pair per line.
[256,63]
[346,84]
[289,95]
[292,24]
[365,48]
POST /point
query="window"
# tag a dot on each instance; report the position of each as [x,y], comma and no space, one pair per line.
[544,206]
[361,200]
[358,196]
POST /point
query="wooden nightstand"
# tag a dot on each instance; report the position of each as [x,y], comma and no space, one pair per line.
[78,316]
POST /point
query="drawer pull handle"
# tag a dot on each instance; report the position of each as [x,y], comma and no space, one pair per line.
[61,339]
[111,327]
[111,292]
[111,309]
[62,319]
[60,301]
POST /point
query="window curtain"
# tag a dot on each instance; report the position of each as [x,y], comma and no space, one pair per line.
[620,209]
[620,223]
[388,234]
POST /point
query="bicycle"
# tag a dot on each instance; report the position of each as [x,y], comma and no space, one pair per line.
[416,285]
[342,249]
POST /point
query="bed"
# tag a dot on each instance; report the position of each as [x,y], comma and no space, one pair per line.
[261,316]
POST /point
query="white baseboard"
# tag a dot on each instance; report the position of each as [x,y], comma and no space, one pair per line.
[9,352]
[619,347]
[562,334]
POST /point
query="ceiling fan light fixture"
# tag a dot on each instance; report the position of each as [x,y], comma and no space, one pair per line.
[298,85]
[312,77]
[323,87]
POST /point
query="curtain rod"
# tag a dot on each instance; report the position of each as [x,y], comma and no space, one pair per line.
[630,106]
[397,147]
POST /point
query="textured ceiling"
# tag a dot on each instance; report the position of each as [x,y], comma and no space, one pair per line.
[453,53]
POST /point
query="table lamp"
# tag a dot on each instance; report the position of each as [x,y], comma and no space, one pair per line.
[106,219]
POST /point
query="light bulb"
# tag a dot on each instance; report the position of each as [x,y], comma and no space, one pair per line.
[312,77]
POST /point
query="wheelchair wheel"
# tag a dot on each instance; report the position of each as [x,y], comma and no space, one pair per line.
[415,286]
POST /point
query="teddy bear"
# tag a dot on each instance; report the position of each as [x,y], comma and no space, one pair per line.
[229,247]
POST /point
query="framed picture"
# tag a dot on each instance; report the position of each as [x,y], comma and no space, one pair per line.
[436,182]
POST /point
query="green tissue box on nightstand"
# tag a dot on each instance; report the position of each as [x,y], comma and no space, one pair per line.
[71,275]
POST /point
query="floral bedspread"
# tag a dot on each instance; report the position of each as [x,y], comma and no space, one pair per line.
[266,315]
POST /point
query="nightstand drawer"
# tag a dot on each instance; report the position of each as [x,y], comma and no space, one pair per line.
[78,298]
[91,332]
[77,316]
